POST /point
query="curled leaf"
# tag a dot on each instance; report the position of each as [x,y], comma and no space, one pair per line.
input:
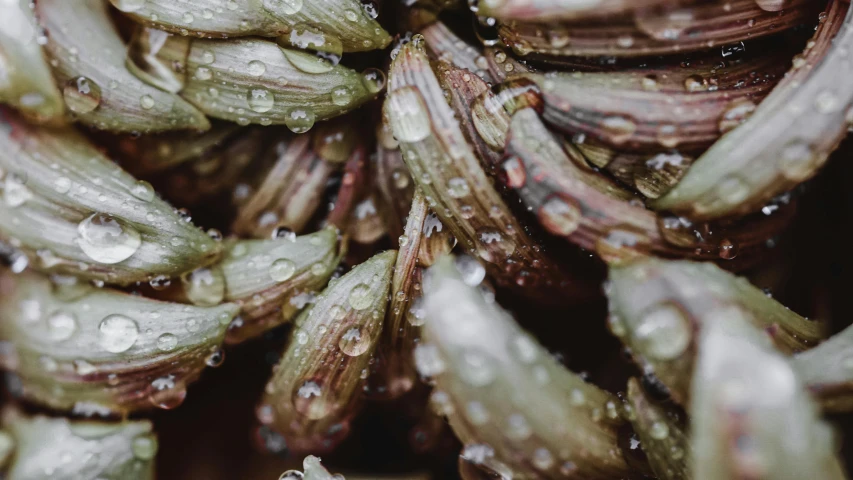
[527,10]
[785,140]
[88,56]
[746,402]
[572,201]
[345,23]
[659,308]
[315,388]
[658,108]
[73,211]
[270,278]
[669,30]
[519,411]
[446,46]
[101,351]
[83,450]
[257,81]
[444,165]
[26,82]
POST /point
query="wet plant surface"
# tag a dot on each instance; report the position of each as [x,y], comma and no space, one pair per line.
[431,239]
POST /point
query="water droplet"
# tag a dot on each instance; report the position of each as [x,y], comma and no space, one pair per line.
[359,297]
[428,360]
[667,136]
[411,120]
[291,475]
[736,112]
[728,250]
[117,333]
[798,160]
[106,239]
[659,430]
[560,216]
[516,174]
[517,427]
[62,185]
[166,393]
[373,80]
[144,447]
[204,73]
[354,342]
[284,233]
[300,120]
[457,187]
[342,96]
[477,413]
[471,270]
[416,314]
[494,246]
[204,286]
[619,129]
[215,359]
[695,83]
[664,332]
[81,95]
[15,192]
[129,5]
[143,191]
[476,369]
[257,68]
[524,348]
[287,7]
[146,102]
[167,342]
[311,399]
[61,326]
[542,459]
[187,17]
[260,99]
[282,269]
[733,190]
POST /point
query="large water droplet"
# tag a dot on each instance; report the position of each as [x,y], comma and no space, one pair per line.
[664,332]
[300,120]
[311,399]
[354,341]
[618,129]
[204,286]
[359,297]
[81,95]
[560,216]
[167,342]
[117,333]
[144,447]
[106,239]
[282,269]
[166,393]
[457,187]
[411,120]
[373,80]
[494,246]
[15,192]
[61,326]
[256,68]
[428,360]
[143,191]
